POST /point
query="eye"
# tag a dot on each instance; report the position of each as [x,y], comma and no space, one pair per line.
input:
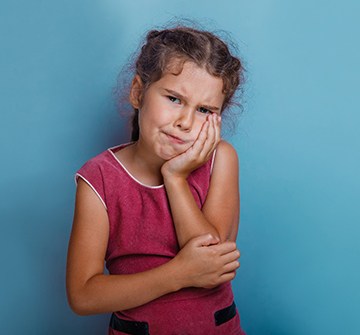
[173,99]
[205,111]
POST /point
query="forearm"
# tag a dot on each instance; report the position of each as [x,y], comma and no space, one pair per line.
[188,218]
[108,293]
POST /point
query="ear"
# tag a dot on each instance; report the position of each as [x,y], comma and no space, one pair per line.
[136,91]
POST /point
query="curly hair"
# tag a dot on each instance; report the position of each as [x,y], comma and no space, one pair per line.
[185,44]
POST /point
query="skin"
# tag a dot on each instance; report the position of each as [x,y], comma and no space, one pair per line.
[178,133]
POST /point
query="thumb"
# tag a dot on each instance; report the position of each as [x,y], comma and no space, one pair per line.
[206,240]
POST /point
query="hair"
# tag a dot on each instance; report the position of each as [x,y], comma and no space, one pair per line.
[185,44]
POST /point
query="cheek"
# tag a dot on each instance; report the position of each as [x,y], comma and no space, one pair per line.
[147,121]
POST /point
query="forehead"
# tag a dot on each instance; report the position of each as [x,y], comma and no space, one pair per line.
[192,81]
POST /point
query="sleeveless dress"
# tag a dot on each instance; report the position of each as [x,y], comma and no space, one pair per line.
[142,236]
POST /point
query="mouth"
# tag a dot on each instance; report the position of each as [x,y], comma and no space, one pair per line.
[175,139]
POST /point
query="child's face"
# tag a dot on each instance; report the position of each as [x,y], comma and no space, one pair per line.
[175,107]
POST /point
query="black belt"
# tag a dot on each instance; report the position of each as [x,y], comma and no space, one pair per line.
[224,315]
[142,328]
[129,327]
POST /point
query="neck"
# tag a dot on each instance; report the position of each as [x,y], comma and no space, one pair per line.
[146,165]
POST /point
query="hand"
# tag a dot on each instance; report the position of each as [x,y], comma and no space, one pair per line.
[199,153]
[204,262]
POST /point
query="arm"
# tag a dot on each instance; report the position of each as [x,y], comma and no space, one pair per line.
[220,213]
[222,205]
[90,291]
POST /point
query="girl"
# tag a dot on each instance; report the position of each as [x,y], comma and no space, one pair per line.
[163,210]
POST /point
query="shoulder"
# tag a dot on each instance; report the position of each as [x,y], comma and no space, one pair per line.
[99,162]
[93,170]
[99,159]
[94,173]
[226,156]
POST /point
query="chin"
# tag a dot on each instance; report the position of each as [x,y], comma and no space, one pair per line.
[169,155]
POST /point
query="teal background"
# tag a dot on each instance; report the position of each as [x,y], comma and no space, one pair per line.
[298,142]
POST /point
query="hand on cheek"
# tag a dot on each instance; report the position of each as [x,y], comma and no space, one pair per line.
[199,153]
[208,138]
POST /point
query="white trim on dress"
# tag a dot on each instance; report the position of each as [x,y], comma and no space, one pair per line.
[212,162]
[127,171]
[93,188]
[138,181]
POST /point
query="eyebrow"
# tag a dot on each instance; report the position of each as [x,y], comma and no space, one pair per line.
[183,97]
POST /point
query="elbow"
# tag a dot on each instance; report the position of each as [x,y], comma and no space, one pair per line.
[77,306]
[217,235]
[83,297]
[227,237]
[79,303]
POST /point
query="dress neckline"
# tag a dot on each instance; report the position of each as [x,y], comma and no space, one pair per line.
[112,152]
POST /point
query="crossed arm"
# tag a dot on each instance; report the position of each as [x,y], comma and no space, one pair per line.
[220,213]
[202,260]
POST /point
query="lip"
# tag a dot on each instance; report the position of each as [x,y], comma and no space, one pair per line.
[175,139]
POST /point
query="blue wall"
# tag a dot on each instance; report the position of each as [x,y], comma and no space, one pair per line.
[298,142]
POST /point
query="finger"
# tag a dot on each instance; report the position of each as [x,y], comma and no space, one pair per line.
[218,129]
[204,240]
[198,145]
[230,257]
[216,134]
[230,267]
[203,132]
[225,247]
[212,137]
[208,146]
[227,277]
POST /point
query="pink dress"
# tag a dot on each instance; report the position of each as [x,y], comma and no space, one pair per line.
[142,236]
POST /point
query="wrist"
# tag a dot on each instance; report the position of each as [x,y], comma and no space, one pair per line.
[172,180]
[177,277]
[169,175]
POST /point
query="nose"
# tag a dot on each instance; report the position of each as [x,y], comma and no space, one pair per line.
[185,120]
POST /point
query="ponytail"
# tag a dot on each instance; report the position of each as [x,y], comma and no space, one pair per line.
[135,126]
